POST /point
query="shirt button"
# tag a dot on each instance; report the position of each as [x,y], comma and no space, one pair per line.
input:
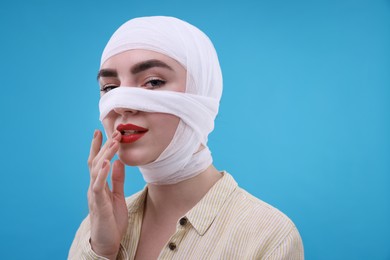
[183,221]
[172,246]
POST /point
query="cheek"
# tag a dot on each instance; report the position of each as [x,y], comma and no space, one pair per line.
[171,122]
[166,126]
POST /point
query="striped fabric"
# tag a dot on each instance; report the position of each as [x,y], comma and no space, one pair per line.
[228,223]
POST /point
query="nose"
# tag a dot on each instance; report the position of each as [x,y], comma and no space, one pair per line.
[124,111]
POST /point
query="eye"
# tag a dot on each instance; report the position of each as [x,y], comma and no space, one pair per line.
[154,83]
[108,87]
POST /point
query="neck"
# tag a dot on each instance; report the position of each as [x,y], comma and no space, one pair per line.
[177,199]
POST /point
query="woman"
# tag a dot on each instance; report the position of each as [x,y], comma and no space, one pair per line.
[161,84]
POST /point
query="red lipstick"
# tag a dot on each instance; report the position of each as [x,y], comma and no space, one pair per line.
[131,133]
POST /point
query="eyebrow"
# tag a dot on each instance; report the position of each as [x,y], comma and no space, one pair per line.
[106,73]
[137,68]
[145,65]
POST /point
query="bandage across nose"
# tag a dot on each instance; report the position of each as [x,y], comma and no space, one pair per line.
[196,111]
[180,160]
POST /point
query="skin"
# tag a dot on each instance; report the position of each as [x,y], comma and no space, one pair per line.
[164,204]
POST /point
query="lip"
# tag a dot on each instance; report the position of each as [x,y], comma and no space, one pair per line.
[131,137]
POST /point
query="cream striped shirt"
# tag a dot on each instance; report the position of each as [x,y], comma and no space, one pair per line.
[228,223]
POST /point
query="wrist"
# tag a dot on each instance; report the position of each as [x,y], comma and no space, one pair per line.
[104,252]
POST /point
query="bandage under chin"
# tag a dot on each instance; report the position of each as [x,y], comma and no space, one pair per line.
[181,160]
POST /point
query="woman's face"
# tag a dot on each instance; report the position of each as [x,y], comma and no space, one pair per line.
[142,69]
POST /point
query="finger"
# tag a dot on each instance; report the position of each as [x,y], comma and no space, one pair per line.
[107,155]
[116,136]
[118,178]
[100,182]
[95,147]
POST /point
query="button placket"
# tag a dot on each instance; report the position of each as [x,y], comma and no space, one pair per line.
[183,221]
[178,236]
[172,246]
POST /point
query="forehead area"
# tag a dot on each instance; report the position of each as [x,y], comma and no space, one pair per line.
[133,57]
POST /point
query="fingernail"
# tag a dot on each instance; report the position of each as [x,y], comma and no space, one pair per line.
[115,134]
[95,134]
[104,164]
[112,144]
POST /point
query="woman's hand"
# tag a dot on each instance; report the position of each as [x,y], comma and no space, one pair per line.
[108,210]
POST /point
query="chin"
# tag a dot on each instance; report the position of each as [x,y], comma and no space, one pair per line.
[133,157]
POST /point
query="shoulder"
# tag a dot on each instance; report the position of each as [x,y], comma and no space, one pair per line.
[261,210]
[244,205]
[268,230]
[257,213]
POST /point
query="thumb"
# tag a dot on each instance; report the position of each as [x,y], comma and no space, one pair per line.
[118,178]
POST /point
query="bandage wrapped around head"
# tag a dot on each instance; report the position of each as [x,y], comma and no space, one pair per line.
[197,107]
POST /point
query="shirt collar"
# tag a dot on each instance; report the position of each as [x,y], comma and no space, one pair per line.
[203,214]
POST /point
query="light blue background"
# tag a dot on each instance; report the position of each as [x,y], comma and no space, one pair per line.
[304,122]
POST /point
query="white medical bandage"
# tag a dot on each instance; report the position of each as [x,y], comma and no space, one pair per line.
[197,107]
[197,114]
